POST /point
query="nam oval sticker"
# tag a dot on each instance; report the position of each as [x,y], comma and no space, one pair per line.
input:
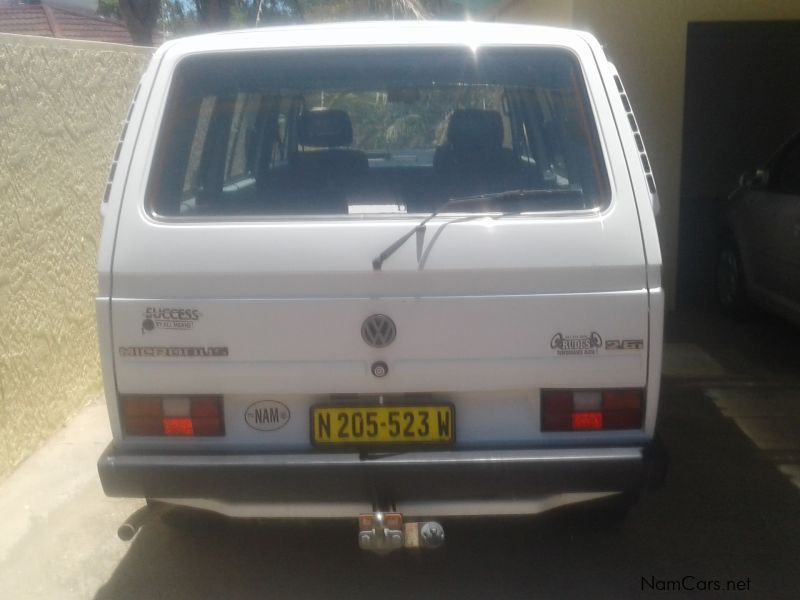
[267,415]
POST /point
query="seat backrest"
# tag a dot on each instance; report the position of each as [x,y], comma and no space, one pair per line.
[474,140]
[473,129]
[323,169]
[324,128]
[329,132]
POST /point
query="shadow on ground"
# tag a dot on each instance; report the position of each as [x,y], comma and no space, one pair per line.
[760,346]
[724,513]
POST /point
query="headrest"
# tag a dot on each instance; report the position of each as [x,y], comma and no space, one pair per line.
[324,128]
[472,127]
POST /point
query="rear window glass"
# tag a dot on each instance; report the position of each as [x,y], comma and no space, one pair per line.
[377,131]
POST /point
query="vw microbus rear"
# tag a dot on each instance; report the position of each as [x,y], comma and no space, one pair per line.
[367,269]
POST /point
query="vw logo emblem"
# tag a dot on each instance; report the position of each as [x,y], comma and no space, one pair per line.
[378,331]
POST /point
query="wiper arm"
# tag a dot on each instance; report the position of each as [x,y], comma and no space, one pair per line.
[505,196]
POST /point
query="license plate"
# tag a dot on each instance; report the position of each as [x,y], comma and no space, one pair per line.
[381,425]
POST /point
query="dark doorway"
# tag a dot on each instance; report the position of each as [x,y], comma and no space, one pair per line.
[742,100]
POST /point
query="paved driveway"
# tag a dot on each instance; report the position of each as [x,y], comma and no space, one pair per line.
[729,512]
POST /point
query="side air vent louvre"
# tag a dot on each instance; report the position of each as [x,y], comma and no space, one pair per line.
[651,182]
[113,170]
[639,142]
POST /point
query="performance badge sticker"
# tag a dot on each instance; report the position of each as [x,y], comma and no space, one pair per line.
[576,345]
[173,319]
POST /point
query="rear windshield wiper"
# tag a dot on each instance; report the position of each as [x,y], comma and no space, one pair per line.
[506,196]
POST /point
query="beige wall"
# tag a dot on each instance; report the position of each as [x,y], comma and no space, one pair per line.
[61,106]
[557,13]
[646,39]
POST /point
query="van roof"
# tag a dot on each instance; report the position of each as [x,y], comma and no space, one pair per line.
[377,33]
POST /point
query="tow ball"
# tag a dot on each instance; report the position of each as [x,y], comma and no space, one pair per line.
[384,532]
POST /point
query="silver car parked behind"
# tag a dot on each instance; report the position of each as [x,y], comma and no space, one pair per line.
[759,253]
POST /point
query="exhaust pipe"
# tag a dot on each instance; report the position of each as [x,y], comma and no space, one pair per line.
[128,530]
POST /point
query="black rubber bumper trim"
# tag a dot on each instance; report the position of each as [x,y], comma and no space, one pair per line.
[420,476]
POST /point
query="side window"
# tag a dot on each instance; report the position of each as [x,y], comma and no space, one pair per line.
[507,137]
[234,123]
[539,131]
[280,152]
[191,182]
[283,110]
[787,176]
[242,137]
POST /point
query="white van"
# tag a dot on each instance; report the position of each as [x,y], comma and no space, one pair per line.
[397,270]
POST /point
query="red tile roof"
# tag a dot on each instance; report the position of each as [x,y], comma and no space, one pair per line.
[27,19]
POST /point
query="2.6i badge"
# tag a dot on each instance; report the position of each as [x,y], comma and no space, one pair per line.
[624,344]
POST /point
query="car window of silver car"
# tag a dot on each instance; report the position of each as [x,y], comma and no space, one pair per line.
[785,177]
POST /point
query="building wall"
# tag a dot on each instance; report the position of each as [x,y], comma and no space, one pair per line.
[61,106]
[647,42]
[557,13]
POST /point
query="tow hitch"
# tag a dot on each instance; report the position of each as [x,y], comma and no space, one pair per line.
[384,532]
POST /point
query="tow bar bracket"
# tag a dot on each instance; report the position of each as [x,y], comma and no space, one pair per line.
[385,532]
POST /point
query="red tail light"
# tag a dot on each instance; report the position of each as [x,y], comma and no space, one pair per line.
[178,426]
[175,416]
[622,409]
[142,416]
[587,421]
[591,410]
[207,416]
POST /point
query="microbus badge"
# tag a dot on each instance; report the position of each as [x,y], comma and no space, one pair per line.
[378,331]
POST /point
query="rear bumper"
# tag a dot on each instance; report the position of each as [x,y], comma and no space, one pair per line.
[435,477]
